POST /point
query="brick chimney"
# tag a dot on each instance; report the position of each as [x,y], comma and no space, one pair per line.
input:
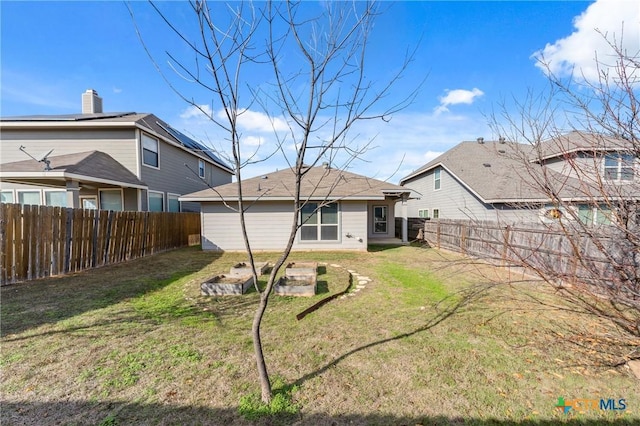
[91,102]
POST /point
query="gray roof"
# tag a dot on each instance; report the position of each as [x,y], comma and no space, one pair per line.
[318,183]
[91,166]
[578,141]
[501,172]
[145,120]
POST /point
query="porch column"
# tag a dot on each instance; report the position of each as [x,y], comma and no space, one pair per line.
[73,194]
[405,221]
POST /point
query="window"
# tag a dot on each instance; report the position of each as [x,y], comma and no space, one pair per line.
[319,224]
[89,203]
[590,215]
[380,219]
[29,197]
[150,151]
[201,168]
[55,198]
[423,213]
[6,197]
[618,167]
[436,213]
[156,201]
[173,205]
[111,199]
[436,179]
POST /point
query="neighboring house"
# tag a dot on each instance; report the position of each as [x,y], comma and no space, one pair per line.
[111,161]
[511,182]
[342,211]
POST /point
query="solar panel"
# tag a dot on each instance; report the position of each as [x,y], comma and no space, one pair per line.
[191,144]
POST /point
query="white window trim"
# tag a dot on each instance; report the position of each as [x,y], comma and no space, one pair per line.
[319,240]
[89,197]
[619,167]
[19,191]
[169,194]
[13,195]
[204,168]
[44,196]
[434,213]
[437,171]
[164,203]
[142,136]
[110,189]
[426,213]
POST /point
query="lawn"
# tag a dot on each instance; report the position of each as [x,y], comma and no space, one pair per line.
[431,339]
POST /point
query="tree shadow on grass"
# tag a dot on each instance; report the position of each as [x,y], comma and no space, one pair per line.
[47,301]
[445,308]
[121,413]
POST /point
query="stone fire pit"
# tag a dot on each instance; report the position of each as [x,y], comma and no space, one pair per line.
[222,285]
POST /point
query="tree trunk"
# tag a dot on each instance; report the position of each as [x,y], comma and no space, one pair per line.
[265,383]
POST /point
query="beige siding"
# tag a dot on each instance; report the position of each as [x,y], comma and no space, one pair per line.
[455,201]
[269,225]
[173,175]
[118,143]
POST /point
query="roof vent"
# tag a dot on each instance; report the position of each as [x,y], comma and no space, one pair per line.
[502,151]
[326,165]
[91,102]
[501,139]
[486,164]
[480,140]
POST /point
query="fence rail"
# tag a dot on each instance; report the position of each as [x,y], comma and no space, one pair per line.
[562,253]
[41,241]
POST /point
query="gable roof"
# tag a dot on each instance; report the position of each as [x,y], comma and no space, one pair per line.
[147,122]
[318,183]
[504,172]
[577,141]
[90,166]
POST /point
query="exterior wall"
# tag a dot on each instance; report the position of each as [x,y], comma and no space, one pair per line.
[124,146]
[172,176]
[390,219]
[454,201]
[118,143]
[269,224]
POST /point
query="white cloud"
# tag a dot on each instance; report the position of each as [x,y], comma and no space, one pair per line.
[260,122]
[196,111]
[458,96]
[618,20]
[117,90]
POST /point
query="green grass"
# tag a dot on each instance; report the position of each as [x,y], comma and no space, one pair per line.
[136,343]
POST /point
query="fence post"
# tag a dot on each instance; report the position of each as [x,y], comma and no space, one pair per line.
[438,234]
[463,238]
[505,242]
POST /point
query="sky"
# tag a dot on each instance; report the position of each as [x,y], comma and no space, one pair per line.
[471,57]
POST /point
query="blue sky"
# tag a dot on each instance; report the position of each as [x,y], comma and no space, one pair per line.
[474,55]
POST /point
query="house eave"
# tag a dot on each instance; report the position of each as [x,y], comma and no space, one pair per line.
[18,177]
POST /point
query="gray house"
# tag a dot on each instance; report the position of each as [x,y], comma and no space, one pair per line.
[512,182]
[342,211]
[111,161]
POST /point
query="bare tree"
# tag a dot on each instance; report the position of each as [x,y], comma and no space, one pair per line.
[311,65]
[579,152]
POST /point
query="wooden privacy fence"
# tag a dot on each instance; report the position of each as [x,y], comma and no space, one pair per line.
[40,241]
[562,254]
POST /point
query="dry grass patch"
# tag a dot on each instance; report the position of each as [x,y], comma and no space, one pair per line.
[431,340]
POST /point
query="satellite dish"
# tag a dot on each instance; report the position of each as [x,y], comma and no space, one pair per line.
[44,159]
